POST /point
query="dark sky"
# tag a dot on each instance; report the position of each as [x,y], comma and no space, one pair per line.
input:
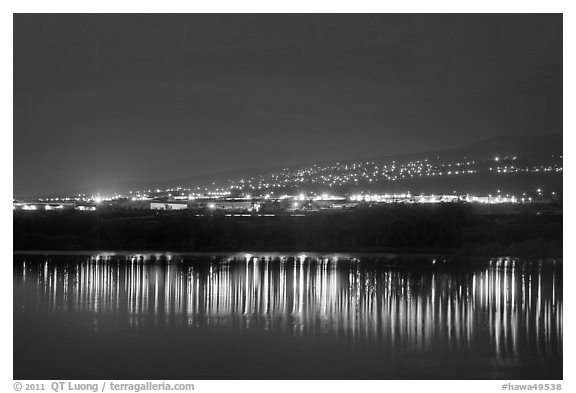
[100,99]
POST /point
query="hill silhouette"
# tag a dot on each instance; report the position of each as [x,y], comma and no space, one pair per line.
[533,150]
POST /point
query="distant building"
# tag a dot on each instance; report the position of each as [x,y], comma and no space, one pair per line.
[168,206]
[428,198]
[228,205]
[41,206]
[450,198]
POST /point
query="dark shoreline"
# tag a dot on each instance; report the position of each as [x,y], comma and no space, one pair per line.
[385,253]
[456,230]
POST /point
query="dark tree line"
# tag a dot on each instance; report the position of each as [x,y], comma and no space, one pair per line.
[447,228]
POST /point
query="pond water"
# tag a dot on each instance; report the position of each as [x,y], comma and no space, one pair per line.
[115,316]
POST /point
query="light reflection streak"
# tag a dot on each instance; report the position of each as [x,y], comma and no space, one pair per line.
[511,306]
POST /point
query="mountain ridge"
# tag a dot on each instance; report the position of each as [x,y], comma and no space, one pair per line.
[537,147]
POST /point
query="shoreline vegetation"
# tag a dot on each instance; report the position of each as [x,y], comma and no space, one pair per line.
[520,231]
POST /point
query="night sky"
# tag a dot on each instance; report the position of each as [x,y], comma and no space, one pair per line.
[101,99]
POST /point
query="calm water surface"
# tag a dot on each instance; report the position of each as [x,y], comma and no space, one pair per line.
[299,317]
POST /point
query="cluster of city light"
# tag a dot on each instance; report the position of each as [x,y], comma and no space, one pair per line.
[75,198]
[380,197]
[369,172]
[532,169]
[296,201]
[39,206]
[334,175]
[360,175]
[441,198]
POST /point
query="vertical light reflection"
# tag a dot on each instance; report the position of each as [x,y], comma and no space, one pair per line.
[515,307]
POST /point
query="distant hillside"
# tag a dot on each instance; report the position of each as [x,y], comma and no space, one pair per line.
[487,156]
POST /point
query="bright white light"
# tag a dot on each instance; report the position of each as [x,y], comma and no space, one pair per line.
[211,206]
[98,199]
[496,158]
